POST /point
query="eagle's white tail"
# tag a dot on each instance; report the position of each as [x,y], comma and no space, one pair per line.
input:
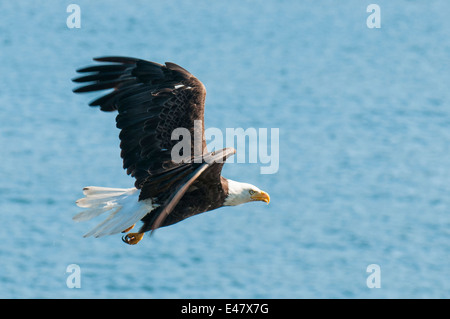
[122,203]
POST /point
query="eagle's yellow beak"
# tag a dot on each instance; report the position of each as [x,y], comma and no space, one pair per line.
[261,196]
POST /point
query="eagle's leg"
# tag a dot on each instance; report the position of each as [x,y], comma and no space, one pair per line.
[132,238]
[128,229]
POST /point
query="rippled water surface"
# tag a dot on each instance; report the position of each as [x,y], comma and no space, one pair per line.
[364,122]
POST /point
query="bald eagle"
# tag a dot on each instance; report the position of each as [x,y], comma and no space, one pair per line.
[152,100]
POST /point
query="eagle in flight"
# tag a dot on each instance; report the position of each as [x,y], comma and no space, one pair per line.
[152,101]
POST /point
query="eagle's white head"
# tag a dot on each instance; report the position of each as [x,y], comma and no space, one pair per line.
[240,193]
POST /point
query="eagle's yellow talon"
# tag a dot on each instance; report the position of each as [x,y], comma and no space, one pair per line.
[132,238]
[128,229]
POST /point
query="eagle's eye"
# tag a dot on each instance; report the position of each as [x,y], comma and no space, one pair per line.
[251,192]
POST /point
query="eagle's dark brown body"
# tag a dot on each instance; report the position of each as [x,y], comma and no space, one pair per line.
[197,200]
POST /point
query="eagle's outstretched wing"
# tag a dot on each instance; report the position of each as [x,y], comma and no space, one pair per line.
[152,100]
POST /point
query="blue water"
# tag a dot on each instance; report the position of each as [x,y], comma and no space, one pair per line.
[364,122]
